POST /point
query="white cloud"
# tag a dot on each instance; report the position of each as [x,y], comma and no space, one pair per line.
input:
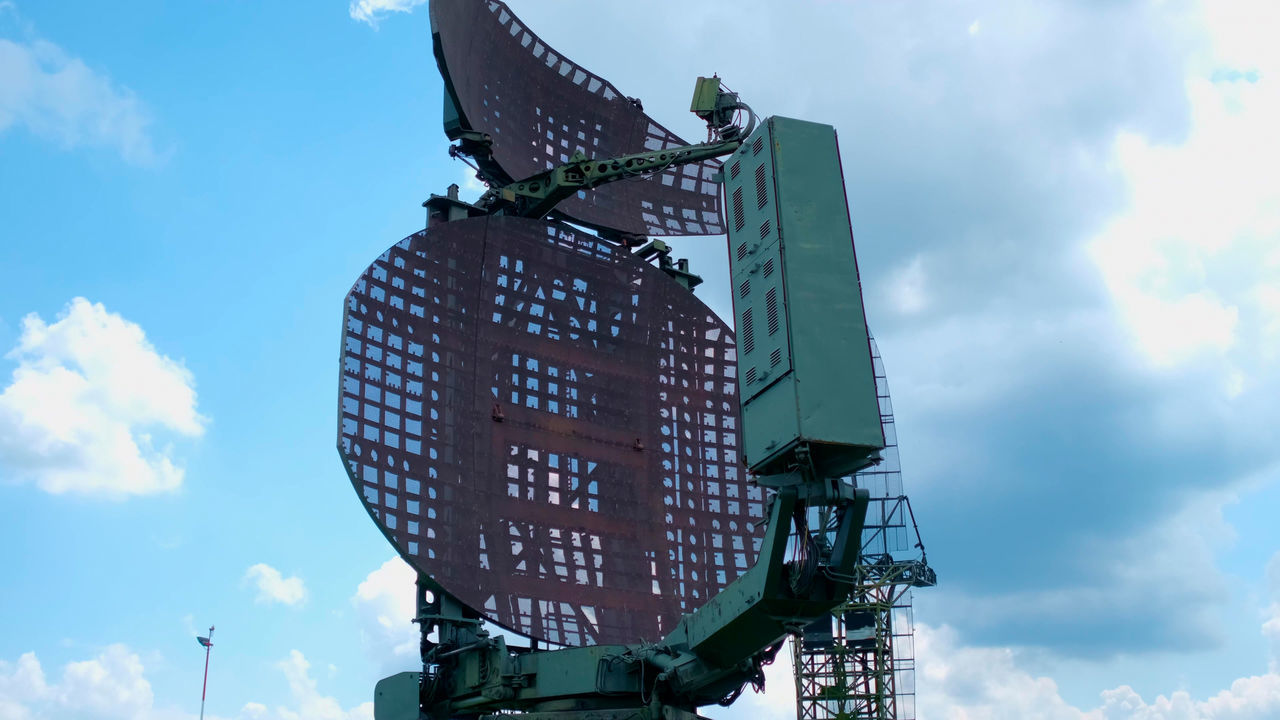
[1183,263]
[21,684]
[113,686]
[777,702]
[311,705]
[274,587]
[306,701]
[79,411]
[956,682]
[471,188]
[1271,628]
[1251,698]
[385,604]
[907,287]
[58,97]
[109,686]
[374,11]
[1176,554]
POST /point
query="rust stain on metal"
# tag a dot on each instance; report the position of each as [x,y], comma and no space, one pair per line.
[548,427]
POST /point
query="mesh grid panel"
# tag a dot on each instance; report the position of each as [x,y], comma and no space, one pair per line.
[548,427]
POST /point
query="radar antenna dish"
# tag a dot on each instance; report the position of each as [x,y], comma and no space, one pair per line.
[548,428]
[518,108]
[562,440]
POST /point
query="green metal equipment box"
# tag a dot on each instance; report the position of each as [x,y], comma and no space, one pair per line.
[804,359]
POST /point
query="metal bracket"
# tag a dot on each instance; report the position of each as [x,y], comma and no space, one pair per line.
[678,269]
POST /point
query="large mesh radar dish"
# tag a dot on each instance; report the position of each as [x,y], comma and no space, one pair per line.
[548,427]
[539,108]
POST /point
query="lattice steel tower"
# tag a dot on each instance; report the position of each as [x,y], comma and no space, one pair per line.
[861,663]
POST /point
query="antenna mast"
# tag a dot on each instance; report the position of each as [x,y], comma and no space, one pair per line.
[207,642]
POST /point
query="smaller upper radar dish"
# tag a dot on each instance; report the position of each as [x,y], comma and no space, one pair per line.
[528,109]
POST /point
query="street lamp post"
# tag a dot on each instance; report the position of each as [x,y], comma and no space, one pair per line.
[207,642]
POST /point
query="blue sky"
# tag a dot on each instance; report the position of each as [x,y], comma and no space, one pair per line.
[1067,224]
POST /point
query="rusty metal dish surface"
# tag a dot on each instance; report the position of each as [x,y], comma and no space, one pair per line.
[548,427]
[540,108]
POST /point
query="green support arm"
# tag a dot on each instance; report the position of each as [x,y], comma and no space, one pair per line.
[709,656]
[538,195]
[713,651]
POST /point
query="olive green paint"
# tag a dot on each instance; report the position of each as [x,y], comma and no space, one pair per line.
[804,358]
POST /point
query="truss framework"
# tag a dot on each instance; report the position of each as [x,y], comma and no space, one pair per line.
[861,663]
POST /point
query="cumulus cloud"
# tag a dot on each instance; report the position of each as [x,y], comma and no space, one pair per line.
[109,686]
[21,684]
[311,704]
[1082,606]
[967,683]
[306,700]
[385,606]
[113,686]
[1126,416]
[274,587]
[963,682]
[1182,263]
[958,682]
[56,96]
[79,412]
[374,11]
